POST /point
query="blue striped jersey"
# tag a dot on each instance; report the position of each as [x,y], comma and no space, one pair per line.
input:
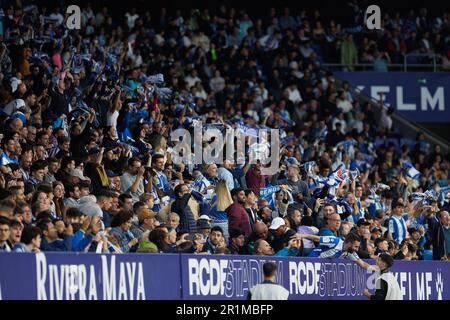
[397,228]
[329,247]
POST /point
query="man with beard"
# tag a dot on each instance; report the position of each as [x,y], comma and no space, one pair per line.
[9,148]
[26,159]
[133,179]
[237,216]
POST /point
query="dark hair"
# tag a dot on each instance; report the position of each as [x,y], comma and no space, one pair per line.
[156,157]
[133,160]
[70,187]
[120,218]
[122,198]
[46,188]
[269,269]
[217,228]
[248,191]
[15,223]
[352,238]
[138,205]
[20,204]
[5,141]
[391,245]
[378,241]
[4,220]
[38,165]
[62,139]
[178,188]
[412,248]
[29,233]
[43,224]
[387,259]
[7,205]
[157,237]
[307,221]
[40,134]
[43,215]
[49,160]
[73,212]
[103,193]
[65,161]
[235,191]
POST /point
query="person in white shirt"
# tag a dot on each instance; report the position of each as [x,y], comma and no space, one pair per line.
[387,287]
[269,289]
[294,94]
[192,78]
[131,18]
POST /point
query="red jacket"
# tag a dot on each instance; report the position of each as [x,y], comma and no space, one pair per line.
[238,218]
[255,181]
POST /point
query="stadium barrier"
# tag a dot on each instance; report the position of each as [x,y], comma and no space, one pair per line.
[80,276]
[419,96]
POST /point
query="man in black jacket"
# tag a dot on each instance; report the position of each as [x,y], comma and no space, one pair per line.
[439,228]
[181,207]
[362,228]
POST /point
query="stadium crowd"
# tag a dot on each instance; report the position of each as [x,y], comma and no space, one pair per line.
[86,161]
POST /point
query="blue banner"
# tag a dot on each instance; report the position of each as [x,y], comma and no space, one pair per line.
[85,276]
[230,277]
[89,276]
[419,96]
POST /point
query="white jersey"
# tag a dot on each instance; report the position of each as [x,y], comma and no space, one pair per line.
[394,292]
[269,291]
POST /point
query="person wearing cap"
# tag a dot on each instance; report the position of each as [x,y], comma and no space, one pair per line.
[376,233]
[114,181]
[282,234]
[237,242]
[397,224]
[204,226]
[387,287]
[146,220]
[381,246]
[269,289]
